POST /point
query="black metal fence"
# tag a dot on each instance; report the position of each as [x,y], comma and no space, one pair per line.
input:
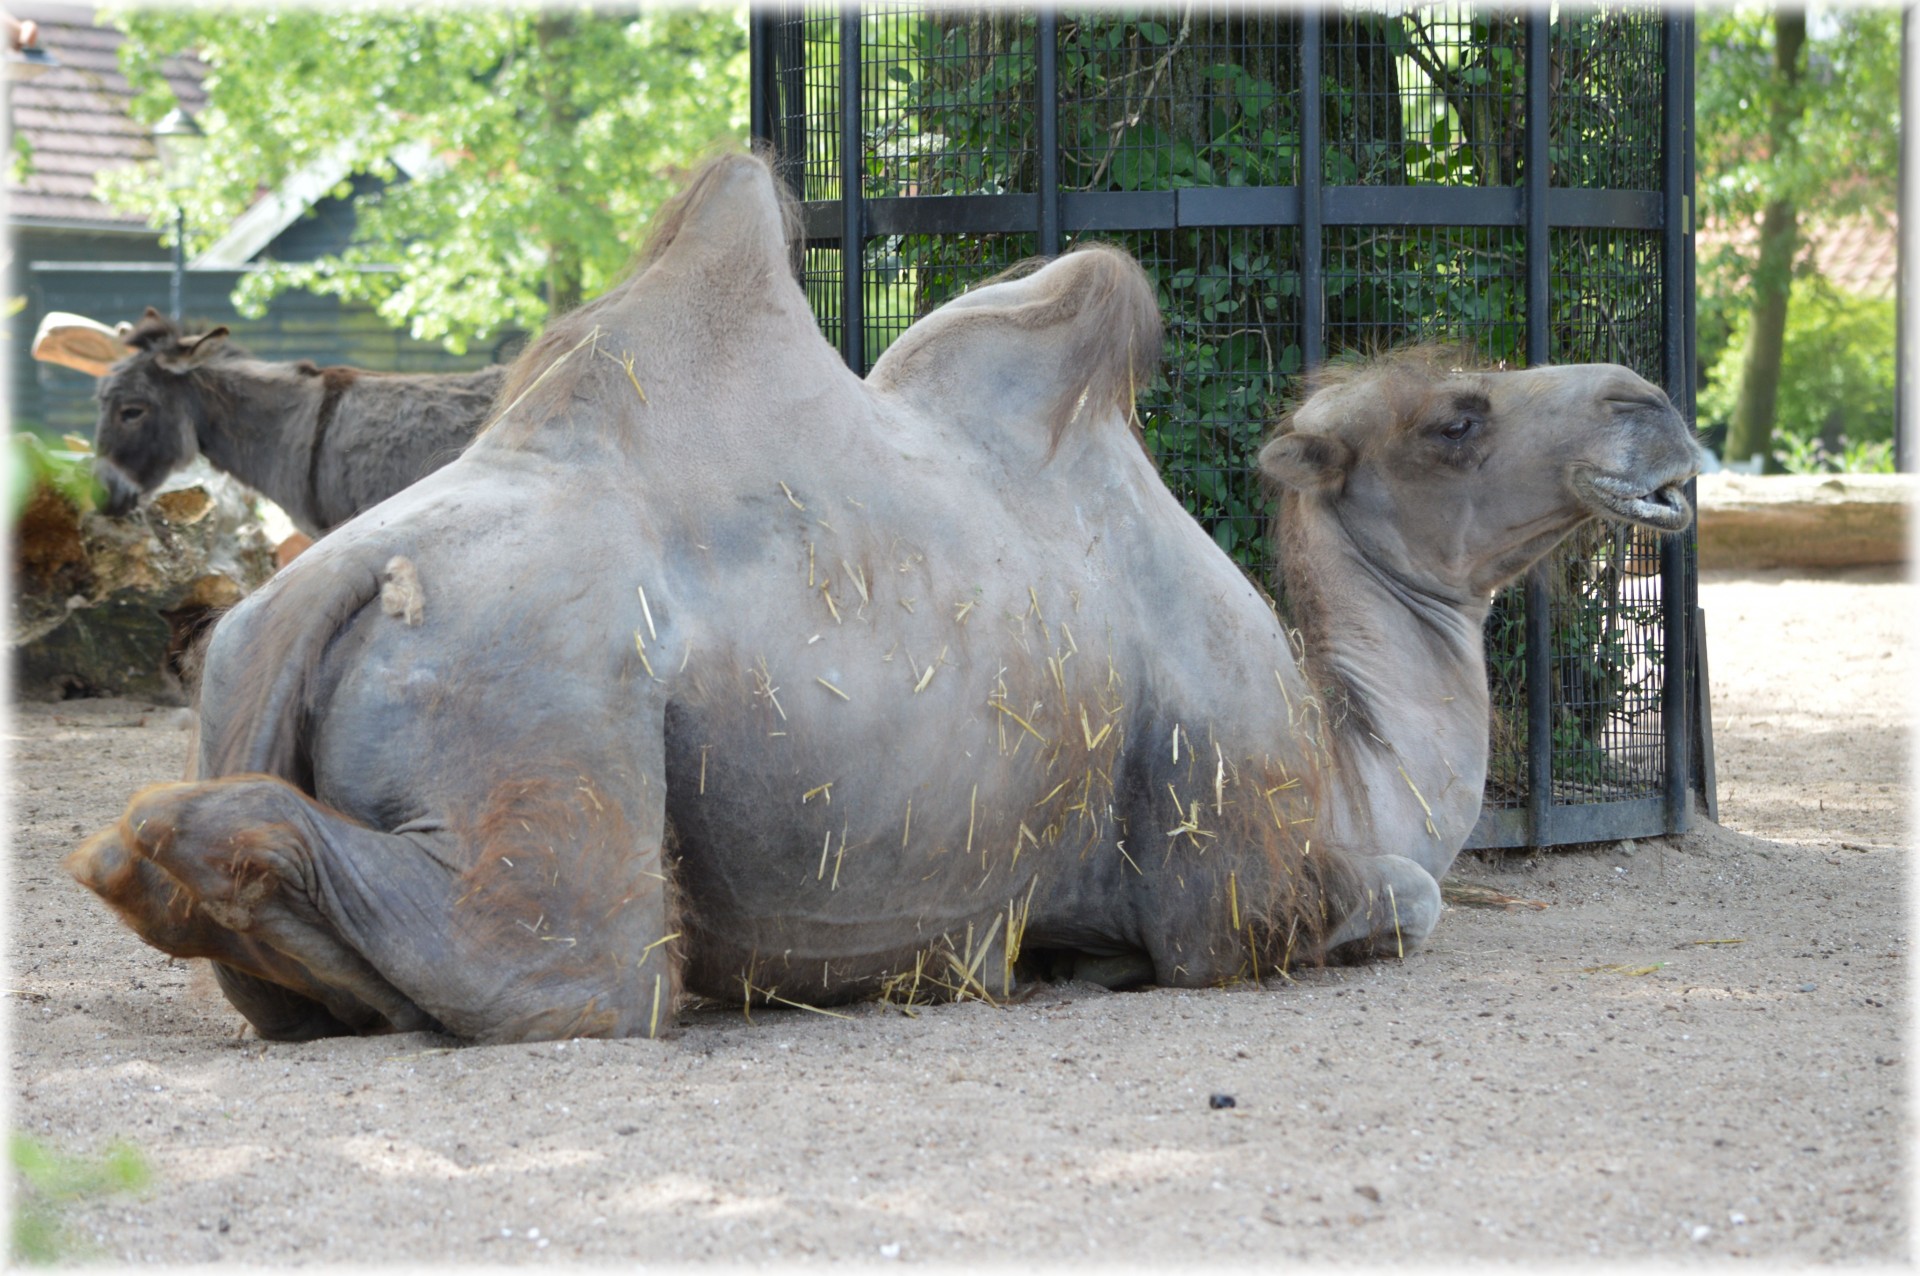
[1298,184]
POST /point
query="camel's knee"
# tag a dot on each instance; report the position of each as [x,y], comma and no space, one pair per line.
[230,843]
[154,904]
[1396,908]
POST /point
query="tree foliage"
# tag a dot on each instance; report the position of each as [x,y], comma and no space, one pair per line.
[1844,156]
[1835,405]
[1789,136]
[548,137]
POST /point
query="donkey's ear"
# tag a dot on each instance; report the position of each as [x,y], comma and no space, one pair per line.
[1307,462]
[191,352]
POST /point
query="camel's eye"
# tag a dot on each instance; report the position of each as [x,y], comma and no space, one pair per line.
[1459,429]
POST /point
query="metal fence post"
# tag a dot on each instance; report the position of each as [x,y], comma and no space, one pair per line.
[1539,594]
[1676,288]
[1046,91]
[1313,301]
[852,199]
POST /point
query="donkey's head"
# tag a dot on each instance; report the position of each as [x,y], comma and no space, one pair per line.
[151,408]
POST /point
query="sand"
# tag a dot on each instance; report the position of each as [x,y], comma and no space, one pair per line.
[1697,1049]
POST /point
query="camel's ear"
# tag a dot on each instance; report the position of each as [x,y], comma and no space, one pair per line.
[1307,462]
[191,352]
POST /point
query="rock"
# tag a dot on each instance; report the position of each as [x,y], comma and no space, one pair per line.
[106,606]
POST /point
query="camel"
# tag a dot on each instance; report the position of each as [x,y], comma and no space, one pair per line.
[713,670]
[321,443]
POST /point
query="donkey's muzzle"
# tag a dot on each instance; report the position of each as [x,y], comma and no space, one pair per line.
[122,492]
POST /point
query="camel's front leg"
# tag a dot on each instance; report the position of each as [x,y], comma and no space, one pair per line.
[1397,907]
[542,914]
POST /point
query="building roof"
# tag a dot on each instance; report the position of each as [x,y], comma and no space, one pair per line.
[1858,255]
[74,123]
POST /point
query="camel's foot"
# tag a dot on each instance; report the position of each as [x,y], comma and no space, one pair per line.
[320,926]
[1398,907]
[226,870]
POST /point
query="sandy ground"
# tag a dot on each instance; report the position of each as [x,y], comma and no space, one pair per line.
[1587,1080]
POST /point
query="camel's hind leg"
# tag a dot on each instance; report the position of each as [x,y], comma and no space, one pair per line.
[493,936]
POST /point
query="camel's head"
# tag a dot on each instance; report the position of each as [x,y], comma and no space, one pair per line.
[1455,480]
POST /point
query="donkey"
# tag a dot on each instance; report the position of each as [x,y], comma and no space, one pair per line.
[322,443]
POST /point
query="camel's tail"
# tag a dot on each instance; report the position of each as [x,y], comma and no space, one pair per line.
[261,661]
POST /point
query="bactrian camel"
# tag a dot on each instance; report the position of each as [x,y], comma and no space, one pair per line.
[713,669]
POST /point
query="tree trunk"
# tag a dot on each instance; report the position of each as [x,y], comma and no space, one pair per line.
[554,32]
[1751,432]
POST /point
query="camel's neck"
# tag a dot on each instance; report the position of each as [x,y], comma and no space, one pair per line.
[256,421]
[1403,673]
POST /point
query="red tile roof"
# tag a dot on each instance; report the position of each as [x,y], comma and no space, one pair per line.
[73,119]
[1857,255]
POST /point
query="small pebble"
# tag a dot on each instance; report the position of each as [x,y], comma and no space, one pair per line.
[1217,1101]
[890,1250]
[1808,987]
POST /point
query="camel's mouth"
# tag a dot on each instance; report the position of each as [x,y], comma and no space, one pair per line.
[1664,507]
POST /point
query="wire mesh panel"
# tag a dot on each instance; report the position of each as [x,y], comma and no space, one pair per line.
[1302,185]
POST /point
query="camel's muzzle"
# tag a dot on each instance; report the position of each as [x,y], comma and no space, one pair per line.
[1664,508]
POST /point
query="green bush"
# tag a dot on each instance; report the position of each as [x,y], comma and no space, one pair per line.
[67,469]
[1835,410]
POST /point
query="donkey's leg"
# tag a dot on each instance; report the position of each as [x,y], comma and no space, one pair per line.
[541,917]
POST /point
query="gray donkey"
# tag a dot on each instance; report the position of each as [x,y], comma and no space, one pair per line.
[322,443]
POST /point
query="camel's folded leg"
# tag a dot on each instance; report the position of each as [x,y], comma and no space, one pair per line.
[278,995]
[1397,908]
[400,923]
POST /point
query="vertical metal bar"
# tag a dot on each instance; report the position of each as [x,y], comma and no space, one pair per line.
[1538,664]
[1702,722]
[1046,89]
[1676,287]
[852,204]
[759,74]
[1538,26]
[788,46]
[1313,341]
[1539,594]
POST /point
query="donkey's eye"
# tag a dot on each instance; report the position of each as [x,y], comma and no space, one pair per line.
[1459,429]
[132,413]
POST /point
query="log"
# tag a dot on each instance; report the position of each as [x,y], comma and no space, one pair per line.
[114,607]
[1749,522]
